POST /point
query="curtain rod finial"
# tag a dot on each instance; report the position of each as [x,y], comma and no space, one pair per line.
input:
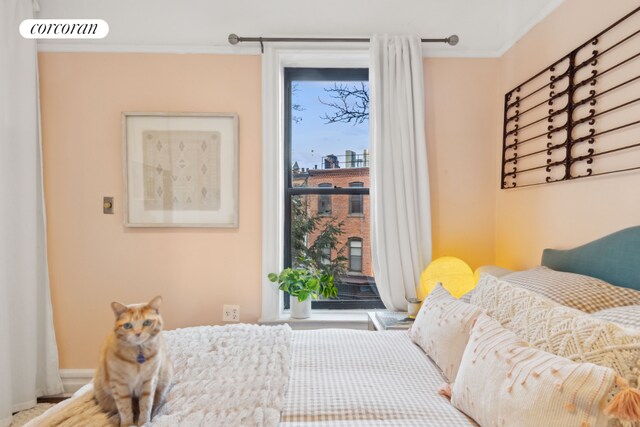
[452,40]
[233,39]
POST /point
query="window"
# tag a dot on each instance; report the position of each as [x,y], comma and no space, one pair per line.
[355,255]
[356,201]
[325,256]
[326,161]
[324,201]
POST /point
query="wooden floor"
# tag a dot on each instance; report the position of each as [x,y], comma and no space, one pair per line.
[52,399]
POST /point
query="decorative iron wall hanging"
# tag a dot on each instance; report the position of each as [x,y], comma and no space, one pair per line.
[580,116]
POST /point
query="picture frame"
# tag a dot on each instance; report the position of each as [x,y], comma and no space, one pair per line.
[180,169]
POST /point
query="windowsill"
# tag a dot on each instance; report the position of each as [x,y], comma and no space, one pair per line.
[344,319]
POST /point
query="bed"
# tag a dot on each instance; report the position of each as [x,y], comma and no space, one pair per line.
[336,377]
[270,375]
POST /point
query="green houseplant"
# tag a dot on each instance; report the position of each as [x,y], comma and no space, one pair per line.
[304,284]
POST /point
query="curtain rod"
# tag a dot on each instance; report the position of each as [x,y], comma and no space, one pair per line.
[234,39]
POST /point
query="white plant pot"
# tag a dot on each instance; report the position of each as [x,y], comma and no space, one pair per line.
[300,309]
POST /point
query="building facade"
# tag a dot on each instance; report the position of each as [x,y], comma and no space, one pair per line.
[352,211]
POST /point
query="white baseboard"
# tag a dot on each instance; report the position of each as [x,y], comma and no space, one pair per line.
[73,379]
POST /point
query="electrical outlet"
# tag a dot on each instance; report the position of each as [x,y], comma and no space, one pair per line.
[230,313]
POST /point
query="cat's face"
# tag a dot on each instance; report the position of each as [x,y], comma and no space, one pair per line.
[137,323]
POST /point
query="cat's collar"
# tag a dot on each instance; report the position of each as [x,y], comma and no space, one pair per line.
[141,359]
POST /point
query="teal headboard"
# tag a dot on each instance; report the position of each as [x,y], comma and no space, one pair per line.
[614,258]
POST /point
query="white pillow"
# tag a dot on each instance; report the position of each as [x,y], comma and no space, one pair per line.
[503,381]
[442,329]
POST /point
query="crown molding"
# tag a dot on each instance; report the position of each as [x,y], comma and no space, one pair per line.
[535,20]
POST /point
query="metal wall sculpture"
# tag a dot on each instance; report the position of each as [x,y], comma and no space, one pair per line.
[580,116]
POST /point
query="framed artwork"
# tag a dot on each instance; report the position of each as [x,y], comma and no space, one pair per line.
[180,169]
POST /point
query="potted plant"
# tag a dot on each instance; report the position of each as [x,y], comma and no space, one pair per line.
[304,284]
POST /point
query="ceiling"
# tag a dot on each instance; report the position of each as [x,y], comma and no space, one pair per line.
[487,28]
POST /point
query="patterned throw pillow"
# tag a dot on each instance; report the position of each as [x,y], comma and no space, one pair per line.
[628,317]
[583,293]
[503,381]
[580,337]
[502,300]
[442,328]
[560,330]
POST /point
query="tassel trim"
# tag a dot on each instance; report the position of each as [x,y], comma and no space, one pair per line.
[445,390]
[626,404]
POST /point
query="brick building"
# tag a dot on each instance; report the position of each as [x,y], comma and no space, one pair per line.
[352,210]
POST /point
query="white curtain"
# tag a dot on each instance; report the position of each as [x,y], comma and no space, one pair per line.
[28,353]
[400,206]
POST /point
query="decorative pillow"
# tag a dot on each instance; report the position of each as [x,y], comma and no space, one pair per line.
[583,293]
[503,381]
[628,317]
[561,330]
[581,337]
[502,300]
[442,329]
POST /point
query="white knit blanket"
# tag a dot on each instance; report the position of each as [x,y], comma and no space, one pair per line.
[233,375]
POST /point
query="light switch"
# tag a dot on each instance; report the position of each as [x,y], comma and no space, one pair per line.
[107,205]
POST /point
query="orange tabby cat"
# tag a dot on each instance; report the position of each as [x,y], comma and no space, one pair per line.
[134,363]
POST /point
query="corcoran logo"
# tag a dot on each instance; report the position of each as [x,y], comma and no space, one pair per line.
[64,29]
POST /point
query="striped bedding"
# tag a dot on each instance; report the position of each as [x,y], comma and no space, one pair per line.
[360,378]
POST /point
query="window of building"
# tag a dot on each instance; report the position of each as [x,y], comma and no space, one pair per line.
[324,201]
[356,201]
[355,255]
[326,156]
[325,257]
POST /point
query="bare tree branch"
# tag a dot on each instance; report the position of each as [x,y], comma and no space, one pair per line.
[351,104]
[296,107]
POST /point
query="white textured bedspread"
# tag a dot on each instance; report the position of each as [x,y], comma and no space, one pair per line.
[362,378]
[233,375]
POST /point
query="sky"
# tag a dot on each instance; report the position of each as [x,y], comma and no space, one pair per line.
[312,138]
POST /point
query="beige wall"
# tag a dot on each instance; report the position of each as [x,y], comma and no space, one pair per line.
[460,124]
[561,215]
[94,259]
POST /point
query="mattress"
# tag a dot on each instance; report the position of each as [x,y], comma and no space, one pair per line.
[341,377]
